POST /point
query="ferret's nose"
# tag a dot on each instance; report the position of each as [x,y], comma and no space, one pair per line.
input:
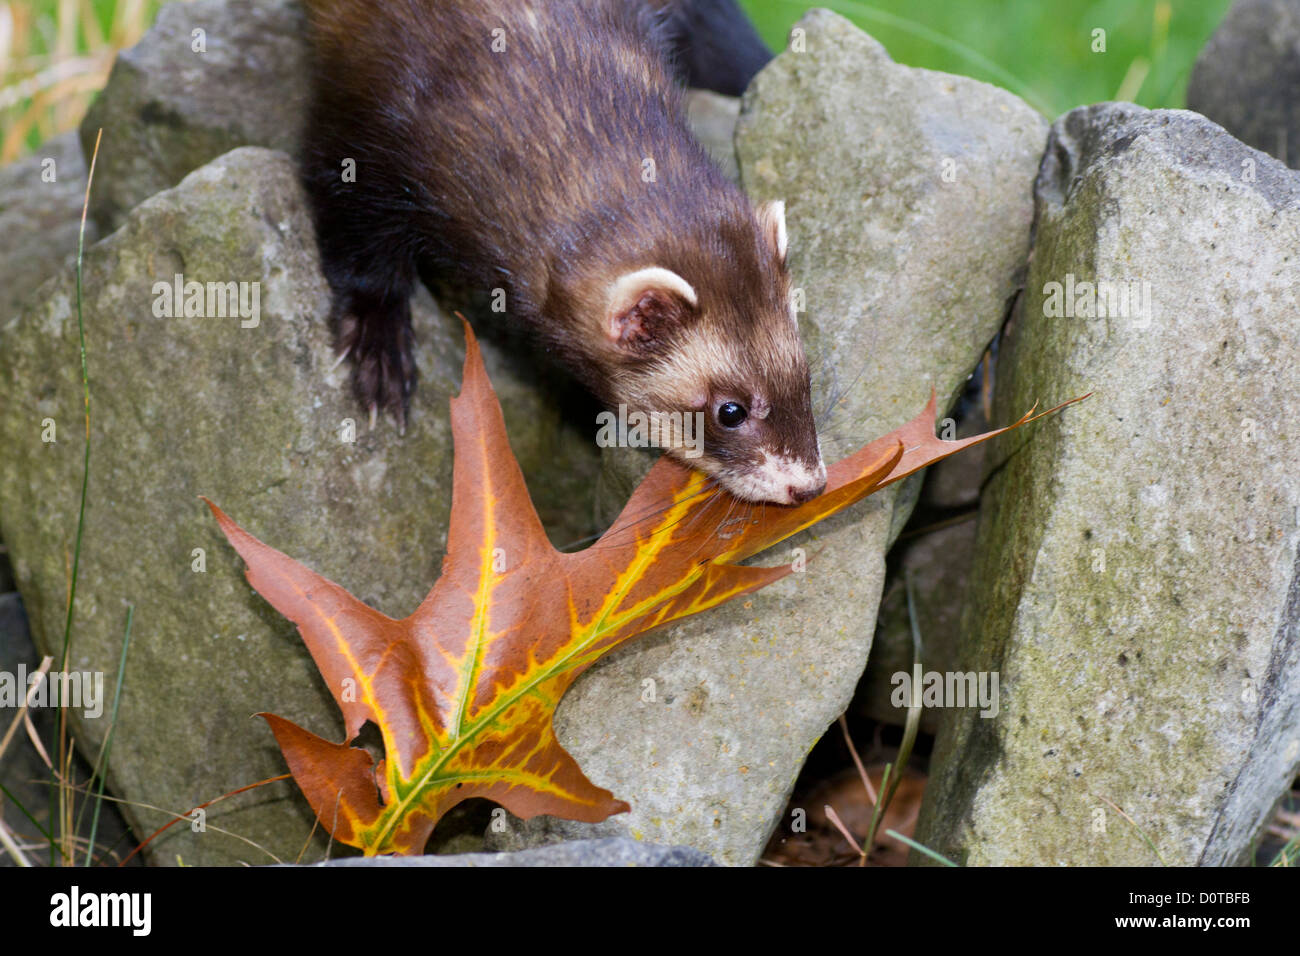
[799,495]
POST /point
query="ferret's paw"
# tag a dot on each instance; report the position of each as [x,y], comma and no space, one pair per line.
[383,364]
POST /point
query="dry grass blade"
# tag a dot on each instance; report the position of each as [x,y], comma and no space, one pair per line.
[857,760]
[848,835]
[11,846]
[35,739]
[188,814]
[1137,829]
[21,716]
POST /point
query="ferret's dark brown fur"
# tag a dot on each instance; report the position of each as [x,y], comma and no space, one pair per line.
[539,147]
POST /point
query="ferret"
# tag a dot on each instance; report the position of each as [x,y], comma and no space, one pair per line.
[538,149]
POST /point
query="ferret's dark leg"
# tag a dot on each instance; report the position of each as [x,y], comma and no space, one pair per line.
[716,45]
[366,248]
[372,326]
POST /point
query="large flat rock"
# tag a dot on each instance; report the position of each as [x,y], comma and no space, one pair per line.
[1136,582]
[256,417]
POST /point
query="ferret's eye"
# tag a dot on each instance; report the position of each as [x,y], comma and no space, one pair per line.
[732,415]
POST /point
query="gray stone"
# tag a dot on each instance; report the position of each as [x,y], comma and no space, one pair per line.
[611,851]
[712,118]
[1247,79]
[253,418]
[40,218]
[906,277]
[168,107]
[1137,584]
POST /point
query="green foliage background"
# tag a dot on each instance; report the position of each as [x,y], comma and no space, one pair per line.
[1041,50]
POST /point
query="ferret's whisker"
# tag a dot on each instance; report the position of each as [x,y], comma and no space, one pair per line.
[706,538]
[709,487]
[726,519]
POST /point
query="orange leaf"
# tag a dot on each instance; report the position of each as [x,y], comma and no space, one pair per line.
[463,691]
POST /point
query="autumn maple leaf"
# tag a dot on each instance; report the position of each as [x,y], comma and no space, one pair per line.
[464,690]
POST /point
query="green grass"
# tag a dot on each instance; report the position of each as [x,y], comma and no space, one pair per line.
[1039,49]
[54,55]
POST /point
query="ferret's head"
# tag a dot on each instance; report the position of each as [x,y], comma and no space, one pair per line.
[708,334]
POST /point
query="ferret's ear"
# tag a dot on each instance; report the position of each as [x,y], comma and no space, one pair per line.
[771,216]
[646,306]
